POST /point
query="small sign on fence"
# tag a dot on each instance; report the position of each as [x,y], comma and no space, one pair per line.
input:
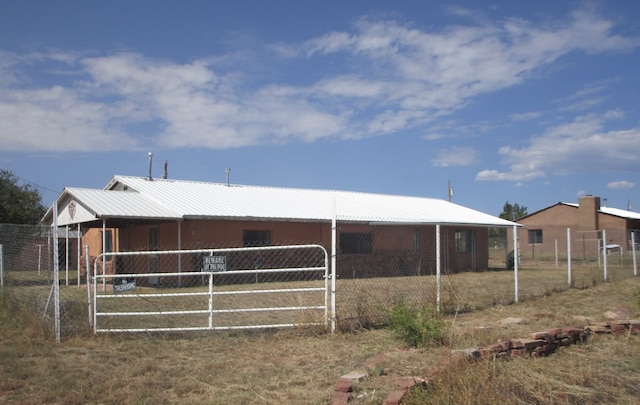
[124,285]
[214,263]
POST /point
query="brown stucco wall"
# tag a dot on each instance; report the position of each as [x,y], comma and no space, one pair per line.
[554,222]
[397,250]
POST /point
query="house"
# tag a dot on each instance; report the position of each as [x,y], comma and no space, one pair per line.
[546,230]
[375,233]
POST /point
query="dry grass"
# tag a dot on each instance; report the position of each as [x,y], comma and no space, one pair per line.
[301,366]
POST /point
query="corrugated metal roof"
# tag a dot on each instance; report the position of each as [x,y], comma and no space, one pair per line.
[613,211]
[120,204]
[191,199]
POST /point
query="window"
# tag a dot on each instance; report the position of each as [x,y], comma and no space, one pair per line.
[256,238]
[153,238]
[108,241]
[355,242]
[535,236]
[463,240]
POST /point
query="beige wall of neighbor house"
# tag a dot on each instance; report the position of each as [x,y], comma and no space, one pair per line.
[547,228]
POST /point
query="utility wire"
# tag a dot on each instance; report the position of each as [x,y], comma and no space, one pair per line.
[36,184]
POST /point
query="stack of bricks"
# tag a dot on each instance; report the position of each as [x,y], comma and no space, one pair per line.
[538,344]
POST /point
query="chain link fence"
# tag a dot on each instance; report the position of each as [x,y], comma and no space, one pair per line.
[28,275]
[456,268]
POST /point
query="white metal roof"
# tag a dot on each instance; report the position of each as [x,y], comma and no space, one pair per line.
[192,199]
[120,204]
[139,198]
[613,211]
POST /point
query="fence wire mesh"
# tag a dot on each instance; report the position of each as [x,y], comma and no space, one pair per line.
[28,274]
[376,266]
[212,289]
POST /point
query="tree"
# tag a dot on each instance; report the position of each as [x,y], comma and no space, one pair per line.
[513,212]
[18,204]
[510,212]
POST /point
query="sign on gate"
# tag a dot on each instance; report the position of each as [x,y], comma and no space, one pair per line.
[124,285]
[214,263]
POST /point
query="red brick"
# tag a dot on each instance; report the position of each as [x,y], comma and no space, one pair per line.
[531,344]
[343,385]
[599,328]
[394,397]
[519,352]
[409,382]
[340,398]
[542,335]
[554,332]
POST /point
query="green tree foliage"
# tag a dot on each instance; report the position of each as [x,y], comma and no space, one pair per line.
[19,204]
[510,212]
[513,212]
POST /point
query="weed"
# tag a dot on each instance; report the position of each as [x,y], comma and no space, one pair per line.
[417,327]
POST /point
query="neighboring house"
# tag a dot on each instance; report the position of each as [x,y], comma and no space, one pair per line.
[374,230]
[546,230]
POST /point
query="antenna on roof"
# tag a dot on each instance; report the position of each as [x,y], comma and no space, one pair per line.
[450,192]
[166,170]
[228,170]
[150,161]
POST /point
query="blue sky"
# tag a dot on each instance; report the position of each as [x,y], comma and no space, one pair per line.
[527,102]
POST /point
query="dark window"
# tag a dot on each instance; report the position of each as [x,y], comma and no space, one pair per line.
[108,242]
[463,240]
[535,236]
[153,238]
[355,242]
[256,238]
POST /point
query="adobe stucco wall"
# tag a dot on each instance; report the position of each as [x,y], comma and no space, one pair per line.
[397,250]
[554,222]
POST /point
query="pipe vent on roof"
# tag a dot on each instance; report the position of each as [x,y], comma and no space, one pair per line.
[150,164]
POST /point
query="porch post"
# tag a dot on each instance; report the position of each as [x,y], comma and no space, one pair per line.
[334,238]
[104,258]
[569,256]
[604,253]
[515,261]
[79,252]
[56,275]
[633,253]
[180,253]
[66,255]
[437,267]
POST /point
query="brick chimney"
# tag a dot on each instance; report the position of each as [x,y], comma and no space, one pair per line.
[588,207]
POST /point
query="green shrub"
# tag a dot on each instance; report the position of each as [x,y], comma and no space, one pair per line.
[417,327]
[510,262]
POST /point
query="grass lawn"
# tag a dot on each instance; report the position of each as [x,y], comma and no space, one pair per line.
[301,366]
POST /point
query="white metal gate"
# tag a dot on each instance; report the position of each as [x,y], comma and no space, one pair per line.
[223,289]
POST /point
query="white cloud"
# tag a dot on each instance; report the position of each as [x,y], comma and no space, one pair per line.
[526,116]
[456,156]
[621,185]
[575,147]
[54,119]
[392,77]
